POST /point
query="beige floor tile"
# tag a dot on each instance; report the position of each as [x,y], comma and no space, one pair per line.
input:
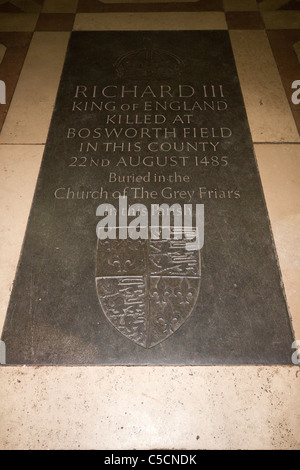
[59,6]
[240,5]
[281,19]
[17,22]
[150,21]
[279,167]
[19,167]
[149,408]
[268,111]
[32,105]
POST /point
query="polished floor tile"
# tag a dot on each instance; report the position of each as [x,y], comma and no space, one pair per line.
[21,6]
[18,22]
[28,6]
[273,5]
[150,408]
[19,167]
[244,20]
[55,22]
[270,117]
[285,46]
[14,47]
[32,105]
[59,6]
[281,19]
[238,5]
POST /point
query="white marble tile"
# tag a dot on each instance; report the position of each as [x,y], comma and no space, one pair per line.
[19,166]
[149,408]
[269,114]
[31,109]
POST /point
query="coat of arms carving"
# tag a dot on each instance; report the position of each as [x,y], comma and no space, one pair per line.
[147,288]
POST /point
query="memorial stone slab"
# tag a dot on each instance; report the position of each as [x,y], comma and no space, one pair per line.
[148,240]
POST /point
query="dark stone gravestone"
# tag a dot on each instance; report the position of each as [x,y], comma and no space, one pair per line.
[144,119]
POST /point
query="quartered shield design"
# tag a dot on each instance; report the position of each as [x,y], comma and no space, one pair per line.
[147,288]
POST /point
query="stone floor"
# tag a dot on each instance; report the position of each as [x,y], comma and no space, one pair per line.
[228,407]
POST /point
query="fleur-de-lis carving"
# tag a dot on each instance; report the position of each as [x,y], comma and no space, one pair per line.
[168,322]
[185,292]
[161,292]
[170,318]
[120,261]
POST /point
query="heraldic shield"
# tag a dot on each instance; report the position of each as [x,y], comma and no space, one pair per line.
[147,288]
